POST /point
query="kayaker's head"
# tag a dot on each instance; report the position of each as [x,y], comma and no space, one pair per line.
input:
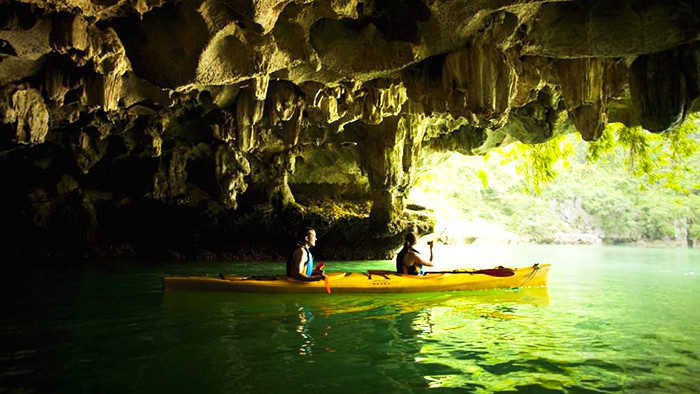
[411,239]
[308,236]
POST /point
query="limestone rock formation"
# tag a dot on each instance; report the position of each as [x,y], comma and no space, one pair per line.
[132,127]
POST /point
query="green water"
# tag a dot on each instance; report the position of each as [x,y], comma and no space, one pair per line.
[612,320]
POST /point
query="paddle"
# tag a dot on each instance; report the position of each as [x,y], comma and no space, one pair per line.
[328,286]
[498,271]
[318,270]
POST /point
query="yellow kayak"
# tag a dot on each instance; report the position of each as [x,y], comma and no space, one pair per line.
[369,282]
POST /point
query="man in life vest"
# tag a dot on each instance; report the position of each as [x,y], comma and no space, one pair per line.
[300,264]
[409,261]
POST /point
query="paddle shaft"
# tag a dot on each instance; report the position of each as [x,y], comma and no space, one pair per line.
[491,272]
[498,272]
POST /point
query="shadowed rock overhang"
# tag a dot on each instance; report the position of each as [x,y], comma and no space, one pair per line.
[213,105]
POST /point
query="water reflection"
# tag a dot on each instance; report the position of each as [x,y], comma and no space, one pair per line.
[478,339]
[619,319]
[308,326]
[390,342]
[305,318]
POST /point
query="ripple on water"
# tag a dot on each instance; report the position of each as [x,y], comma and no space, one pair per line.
[635,332]
[687,353]
[460,354]
[512,366]
[532,388]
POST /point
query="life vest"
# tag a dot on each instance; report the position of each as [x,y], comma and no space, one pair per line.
[292,269]
[309,262]
[412,270]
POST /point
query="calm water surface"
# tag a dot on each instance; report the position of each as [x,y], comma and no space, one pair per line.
[613,319]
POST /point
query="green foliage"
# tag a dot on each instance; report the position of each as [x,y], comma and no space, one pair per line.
[655,158]
[630,185]
[652,157]
[532,218]
[540,163]
[483,177]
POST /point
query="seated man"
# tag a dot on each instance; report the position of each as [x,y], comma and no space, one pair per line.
[300,264]
[408,260]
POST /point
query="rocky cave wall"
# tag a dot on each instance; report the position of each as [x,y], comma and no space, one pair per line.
[137,127]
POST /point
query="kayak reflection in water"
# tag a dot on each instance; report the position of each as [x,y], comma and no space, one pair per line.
[305,317]
[300,264]
[408,260]
[304,329]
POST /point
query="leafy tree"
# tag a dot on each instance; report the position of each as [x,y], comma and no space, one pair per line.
[664,158]
[630,185]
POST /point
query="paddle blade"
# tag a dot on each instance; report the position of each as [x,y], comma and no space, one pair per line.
[328,285]
[500,272]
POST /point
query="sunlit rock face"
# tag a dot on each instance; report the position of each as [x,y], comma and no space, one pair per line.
[194,127]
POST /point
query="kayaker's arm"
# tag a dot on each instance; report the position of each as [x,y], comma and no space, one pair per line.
[425,263]
[300,259]
[413,258]
[429,263]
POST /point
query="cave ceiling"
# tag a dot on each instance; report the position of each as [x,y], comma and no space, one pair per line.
[204,100]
